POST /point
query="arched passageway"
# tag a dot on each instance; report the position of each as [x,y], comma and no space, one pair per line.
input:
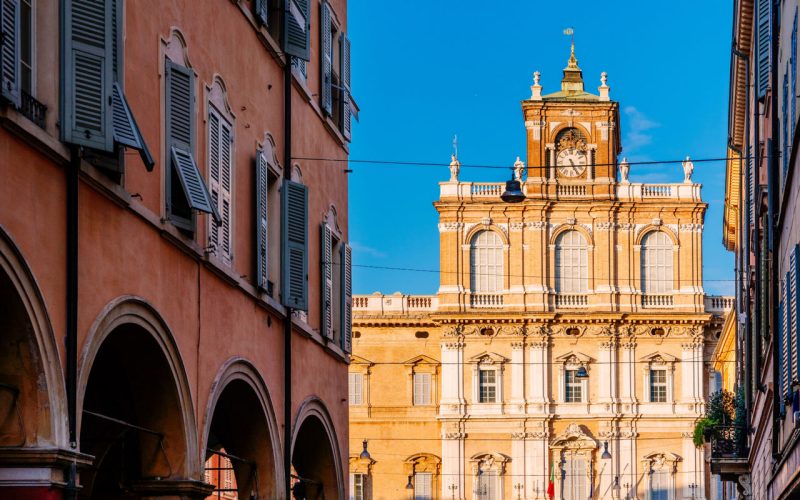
[242,435]
[316,463]
[135,411]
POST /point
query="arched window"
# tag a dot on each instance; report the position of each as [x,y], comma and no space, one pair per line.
[657,263]
[486,262]
[572,263]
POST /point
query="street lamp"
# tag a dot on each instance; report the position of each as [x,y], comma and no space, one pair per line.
[453,488]
[519,487]
[606,455]
[365,454]
[409,485]
[513,192]
[581,373]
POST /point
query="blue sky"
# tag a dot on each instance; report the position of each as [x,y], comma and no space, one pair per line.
[424,70]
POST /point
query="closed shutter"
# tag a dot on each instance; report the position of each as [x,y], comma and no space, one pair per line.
[86,74]
[260,8]
[344,45]
[213,176]
[326,279]
[763,48]
[326,59]
[294,255]
[751,183]
[795,329]
[784,335]
[10,59]
[262,187]
[116,40]
[296,26]
[226,181]
[793,58]
[347,298]
[219,169]
[780,345]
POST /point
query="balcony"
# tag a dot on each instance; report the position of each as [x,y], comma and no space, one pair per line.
[33,109]
[397,303]
[718,303]
[653,301]
[729,452]
[485,300]
[571,301]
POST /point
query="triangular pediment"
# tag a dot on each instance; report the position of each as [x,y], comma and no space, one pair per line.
[575,357]
[488,358]
[358,360]
[421,360]
[658,357]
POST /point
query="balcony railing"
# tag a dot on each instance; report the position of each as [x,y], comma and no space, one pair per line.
[568,190]
[571,301]
[652,301]
[718,303]
[728,441]
[487,189]
[33,109]
[486,300]
[394,304]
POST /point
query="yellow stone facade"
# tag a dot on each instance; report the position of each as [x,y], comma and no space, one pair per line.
[554,336]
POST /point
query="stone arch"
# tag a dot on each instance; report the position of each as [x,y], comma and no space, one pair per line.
[312,427]
[652,228]
[40,388]
[478,228]
[128,352]
[563,228]
[240,381]
[564,127]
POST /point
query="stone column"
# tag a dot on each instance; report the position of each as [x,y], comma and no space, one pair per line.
[518,462]
[608,373]
[537,465]
[453,461]
[517,401]
[692,373]
[628,464]
[628,382]
[538,373]
[452,401]
[551,171]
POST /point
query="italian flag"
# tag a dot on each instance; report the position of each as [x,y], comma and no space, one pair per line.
[551,486]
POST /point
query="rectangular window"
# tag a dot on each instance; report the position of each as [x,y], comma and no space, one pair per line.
[26,45]
[358,484]
[422,388]
[486,486]
[575,480]
[487,386]
[423,486]
[573,388]
[658,386]
[659,485]
[356,389]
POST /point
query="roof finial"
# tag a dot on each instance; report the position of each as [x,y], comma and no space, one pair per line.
[572,83]
[573,62]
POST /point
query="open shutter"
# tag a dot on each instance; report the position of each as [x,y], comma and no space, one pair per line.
[345,76]
[763,48]
[326,46]
[192,183]
[10,65]
[125,129]
[347,298]
[326,281]
[296,26]
[86,74]
[294,255]
[260,9]
[262,275]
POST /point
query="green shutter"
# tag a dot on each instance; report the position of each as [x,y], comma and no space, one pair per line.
[10,65]
[344,46]
[763,49]
[326,62]
[326,281]
[347,299]
[86,74]
[260,9]
[180,107]
[294,236]
[262,227]
[125,129]
[194,188]
[296,26]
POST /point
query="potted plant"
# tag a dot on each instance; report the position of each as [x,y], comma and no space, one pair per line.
[720,410]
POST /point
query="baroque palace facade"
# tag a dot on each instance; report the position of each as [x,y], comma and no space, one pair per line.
[568,344]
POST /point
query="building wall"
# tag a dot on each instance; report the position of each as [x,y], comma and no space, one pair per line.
[215,317]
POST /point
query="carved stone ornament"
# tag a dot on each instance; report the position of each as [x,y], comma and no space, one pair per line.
[605,226]
[539,224]
[602,330]
[450,227]
[516,226]
[572,139]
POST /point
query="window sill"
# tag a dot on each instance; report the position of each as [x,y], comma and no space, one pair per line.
[29,132]
[328,345]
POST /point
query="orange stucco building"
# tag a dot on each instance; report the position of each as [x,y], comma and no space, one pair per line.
[161,249]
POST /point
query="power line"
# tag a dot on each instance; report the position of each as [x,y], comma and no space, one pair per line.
[507,167]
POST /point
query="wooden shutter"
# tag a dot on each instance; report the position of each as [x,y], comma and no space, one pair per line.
[86,74]
[795,327]
[116,40]
[213,177]
[262,187]
[125,129]
[226,182]
[763,49]
[194,188]
[219,172]
[294,245]
[347,298]
[326,281]
[296,26]
[784,332]
[10,60]
[326,46]
[260,9]
[180,107]
[344,74]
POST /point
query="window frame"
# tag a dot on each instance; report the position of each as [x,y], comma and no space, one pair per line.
[568,279]
[224,121]
[352,391]
[487,386]
[423,495]
[487,262]
[657,278]
[575,386]
[661,395]
[423,398]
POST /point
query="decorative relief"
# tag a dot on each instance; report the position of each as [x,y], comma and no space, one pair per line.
[605,226]
[516,226]
[541,330]
[486,221]
[521,435]
[626,226]
[536,224]
[455,435]
[516,330]
[602,330]
[450,227]
[696,228]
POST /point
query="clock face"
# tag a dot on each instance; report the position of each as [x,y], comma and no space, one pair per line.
[571,162]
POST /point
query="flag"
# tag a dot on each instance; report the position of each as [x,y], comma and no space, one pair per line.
[569,31]
[551,486]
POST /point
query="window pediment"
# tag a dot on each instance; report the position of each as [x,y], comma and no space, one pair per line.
[574,358]
[658,358]
[359,364]
[488,358]
[661,461]
[574,437]
[422,363]
[422,463]
[489,461]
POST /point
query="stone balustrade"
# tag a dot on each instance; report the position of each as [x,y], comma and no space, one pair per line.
[468,191]
[657,301]
[718,303]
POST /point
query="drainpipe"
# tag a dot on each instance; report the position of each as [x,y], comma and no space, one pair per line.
[71,337]
[287,324]
[774,230]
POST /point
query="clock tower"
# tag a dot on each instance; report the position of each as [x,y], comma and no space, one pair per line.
[572,138]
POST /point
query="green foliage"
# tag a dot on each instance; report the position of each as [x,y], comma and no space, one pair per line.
[700,430]
[722,408]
